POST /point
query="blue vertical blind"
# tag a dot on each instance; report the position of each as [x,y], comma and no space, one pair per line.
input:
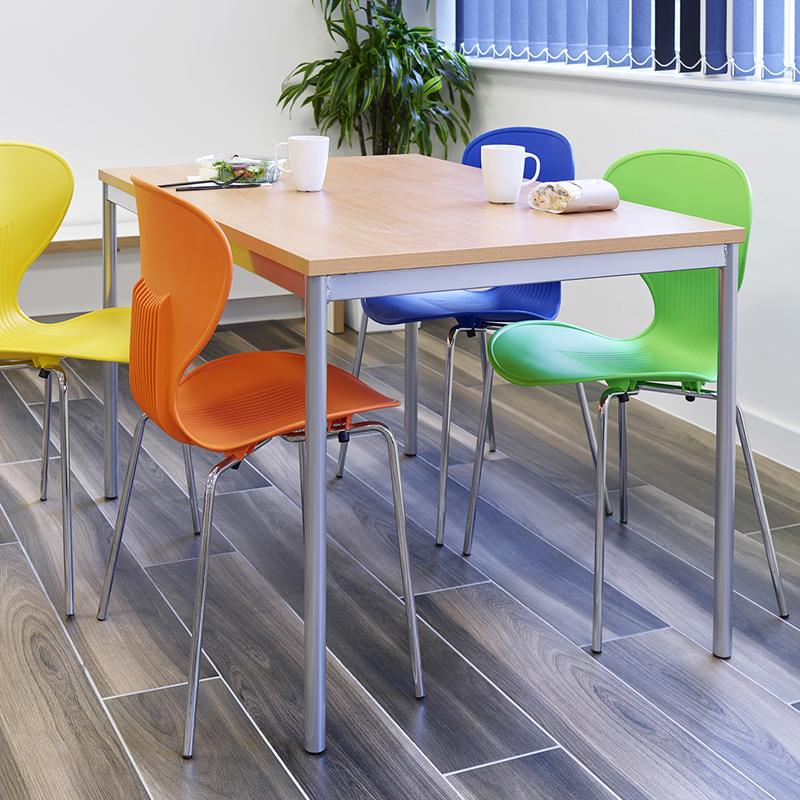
[757,39]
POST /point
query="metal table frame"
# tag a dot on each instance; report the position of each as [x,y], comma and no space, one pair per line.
[320,290]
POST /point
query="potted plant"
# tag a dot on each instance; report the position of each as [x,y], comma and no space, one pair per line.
[392,85]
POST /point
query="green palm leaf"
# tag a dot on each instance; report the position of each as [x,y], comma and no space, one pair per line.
[386,83]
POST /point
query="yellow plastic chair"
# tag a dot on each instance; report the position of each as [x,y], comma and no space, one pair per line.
[35,191]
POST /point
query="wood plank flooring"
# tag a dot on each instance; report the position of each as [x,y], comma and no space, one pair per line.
[515,707]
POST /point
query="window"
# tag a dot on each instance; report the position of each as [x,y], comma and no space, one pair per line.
[755,39]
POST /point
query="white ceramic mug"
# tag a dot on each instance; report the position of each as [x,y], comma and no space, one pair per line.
[503,166]
[308,157]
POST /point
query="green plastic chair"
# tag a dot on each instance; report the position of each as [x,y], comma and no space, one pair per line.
[677,353]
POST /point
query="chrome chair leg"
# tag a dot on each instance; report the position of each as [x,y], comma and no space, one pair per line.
[484,367]
[200,602]
[122,513]
[48,411]
[622,417]
[761,511]
[444,455]
[588,423]
[356,429]
[478,464]
[411,388]
[405,560]
[187,462]
[600,524]
[301,454]
[362,338]
[66,497]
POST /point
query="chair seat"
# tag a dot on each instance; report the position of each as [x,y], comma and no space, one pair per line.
[473,308]
[102,335]
[231,404]
[543,353]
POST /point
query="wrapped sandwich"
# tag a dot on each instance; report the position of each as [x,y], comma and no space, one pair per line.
[566,197]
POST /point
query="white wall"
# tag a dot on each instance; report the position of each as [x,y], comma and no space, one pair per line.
[606,119]
[152,81]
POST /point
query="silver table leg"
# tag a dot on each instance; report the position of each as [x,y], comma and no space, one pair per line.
[726,452]
[410,393]
[110,370]
[315,513]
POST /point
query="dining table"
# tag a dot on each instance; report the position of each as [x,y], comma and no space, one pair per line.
[401,224]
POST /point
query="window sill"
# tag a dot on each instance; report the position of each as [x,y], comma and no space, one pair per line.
[689,81]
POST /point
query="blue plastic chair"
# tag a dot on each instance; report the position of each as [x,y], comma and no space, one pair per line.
[480,310]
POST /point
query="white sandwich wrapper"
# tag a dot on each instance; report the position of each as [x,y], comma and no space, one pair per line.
[567,197]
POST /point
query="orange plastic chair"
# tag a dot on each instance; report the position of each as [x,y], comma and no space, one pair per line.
[35,191]
[231,405]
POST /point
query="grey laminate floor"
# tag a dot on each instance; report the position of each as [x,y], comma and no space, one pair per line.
[515,707]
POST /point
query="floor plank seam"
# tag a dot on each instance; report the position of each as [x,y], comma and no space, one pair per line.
[178,560]
[502,761]
[29,461]
[631,636]
[785,528]
[152,689]
[451,588]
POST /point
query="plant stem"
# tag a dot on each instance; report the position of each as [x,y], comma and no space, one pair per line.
[358,125]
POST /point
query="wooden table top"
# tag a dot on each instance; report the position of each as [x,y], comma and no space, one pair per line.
[395,212]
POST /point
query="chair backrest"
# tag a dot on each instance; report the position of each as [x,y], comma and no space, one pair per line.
[702,185]
[186,277]
[35,192]
[553,149]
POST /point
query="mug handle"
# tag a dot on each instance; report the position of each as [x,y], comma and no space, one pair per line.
[289,169]
[538,168]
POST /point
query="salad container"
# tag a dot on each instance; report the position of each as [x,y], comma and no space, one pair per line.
[253,169]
